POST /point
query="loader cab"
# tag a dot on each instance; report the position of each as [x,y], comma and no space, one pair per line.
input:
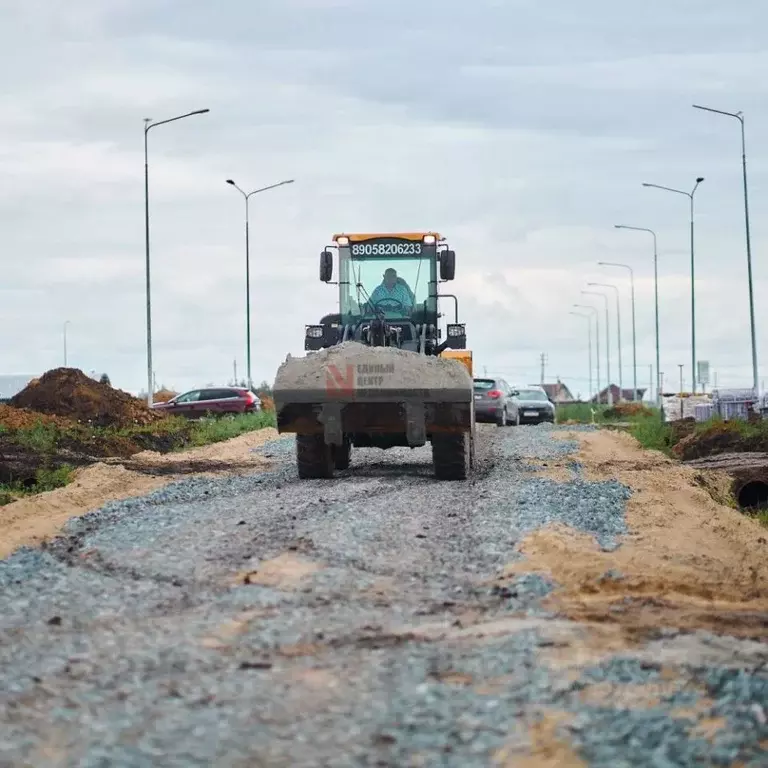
[387,290]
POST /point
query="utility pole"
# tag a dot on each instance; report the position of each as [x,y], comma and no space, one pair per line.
[693,281]
[609,391]
[543,367]
[66,323]
[147,126]
[740,117]
[680,365]
[650,382]
[247,197]
[234,365]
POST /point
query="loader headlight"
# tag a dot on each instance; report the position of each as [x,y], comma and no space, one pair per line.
[342,240]
[457,330]
[314,332]
[429,239]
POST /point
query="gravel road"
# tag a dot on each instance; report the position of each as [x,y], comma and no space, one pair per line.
[259,621]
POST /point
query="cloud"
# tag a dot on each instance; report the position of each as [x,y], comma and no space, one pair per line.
[520,130]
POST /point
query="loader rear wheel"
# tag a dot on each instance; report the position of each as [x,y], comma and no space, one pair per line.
[342,454]
[314,458]
[451,456]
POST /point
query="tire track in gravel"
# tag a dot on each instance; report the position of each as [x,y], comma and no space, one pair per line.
[240,621]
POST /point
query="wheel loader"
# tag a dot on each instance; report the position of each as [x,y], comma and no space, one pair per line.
[377,373]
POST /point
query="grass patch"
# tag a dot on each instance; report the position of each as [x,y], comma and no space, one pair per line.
[653,434]
[205,432]
[46,479]
[588,413]
[41,453]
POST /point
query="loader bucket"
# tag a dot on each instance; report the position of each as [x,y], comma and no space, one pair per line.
[382,396]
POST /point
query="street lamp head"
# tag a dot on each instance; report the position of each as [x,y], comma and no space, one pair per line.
[700,179]
[231,181]
[201,111]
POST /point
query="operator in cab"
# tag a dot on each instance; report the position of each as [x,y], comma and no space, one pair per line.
[393,295]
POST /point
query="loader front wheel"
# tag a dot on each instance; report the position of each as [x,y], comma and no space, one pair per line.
[451,456]
[342,454]
[314,458]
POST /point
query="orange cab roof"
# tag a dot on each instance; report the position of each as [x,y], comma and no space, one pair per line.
[358,238]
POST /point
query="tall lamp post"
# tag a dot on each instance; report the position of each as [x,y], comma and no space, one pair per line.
[147,126]
[588,318]
[634,334]
[66,323]
[609,392]
[740,117]
[656,292]
[593,310]
[693,283]
[246,197]
[618,331]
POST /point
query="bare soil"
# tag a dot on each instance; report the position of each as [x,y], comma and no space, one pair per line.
[32,520]
[689,561]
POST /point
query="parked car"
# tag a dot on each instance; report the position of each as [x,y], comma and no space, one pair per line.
[531,405]
[197,403]
[493,401]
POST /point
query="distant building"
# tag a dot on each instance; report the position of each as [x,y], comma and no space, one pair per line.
[12,384]
[558,392]
[618,395]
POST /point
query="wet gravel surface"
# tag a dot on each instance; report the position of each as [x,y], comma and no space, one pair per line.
[259,621]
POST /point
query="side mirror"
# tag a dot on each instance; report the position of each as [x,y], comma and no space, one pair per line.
[514,392]
[326,266]
[447,265]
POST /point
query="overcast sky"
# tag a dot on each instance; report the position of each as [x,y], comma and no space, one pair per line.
[521,130]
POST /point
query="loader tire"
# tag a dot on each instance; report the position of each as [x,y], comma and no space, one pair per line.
[314,459]
[451,456]
[342,455]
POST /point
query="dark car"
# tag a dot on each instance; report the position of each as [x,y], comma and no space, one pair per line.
[211,402]
[493,401]
[531,406]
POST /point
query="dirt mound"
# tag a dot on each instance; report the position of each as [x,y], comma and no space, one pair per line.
[23,418]
[163,396]
[724,437]
[69,392]
[625,410]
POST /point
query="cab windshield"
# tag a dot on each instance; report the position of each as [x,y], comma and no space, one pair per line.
[388,286]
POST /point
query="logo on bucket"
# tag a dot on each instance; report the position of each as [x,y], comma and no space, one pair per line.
[338,382]
[356,379]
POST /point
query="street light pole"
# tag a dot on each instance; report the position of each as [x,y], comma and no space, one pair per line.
[597,343]
[740,117]
[609,391]
[147,126]
[589,345]
[618,332]
[656,291]
[634,335]
[66,323]
[693,283]
[246,197]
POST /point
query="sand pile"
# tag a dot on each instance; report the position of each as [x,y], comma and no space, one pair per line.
[70,393]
